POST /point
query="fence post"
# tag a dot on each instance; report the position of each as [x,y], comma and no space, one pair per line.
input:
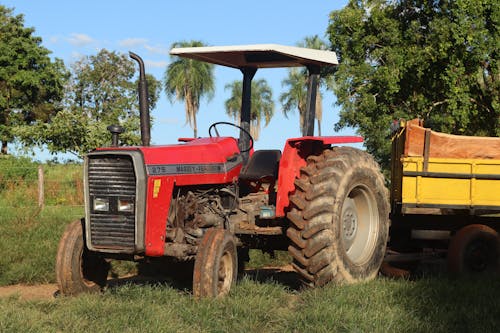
[41,199]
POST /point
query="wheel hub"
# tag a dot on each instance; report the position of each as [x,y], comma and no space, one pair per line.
[359,228]
[224,274]
[350,224]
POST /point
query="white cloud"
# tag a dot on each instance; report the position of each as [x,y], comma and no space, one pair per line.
[77,55]
[54,39]
[132,42]
[157,49]
[80,39]
[156,64]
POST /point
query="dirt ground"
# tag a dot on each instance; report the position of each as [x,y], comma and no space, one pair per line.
[34,292]
[284,275]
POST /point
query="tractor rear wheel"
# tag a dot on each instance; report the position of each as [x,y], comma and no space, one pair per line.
[339,218]
[78,270]
[215,265]
[474,249]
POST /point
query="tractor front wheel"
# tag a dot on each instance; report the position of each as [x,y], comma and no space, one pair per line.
[78,270]
[216,264]
[339,218]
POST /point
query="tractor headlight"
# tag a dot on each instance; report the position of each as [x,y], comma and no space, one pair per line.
[125,205]
[101,204]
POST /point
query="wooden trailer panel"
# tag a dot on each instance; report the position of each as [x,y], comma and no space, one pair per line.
[437,170]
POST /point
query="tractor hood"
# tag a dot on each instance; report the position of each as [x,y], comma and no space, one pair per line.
[199,161]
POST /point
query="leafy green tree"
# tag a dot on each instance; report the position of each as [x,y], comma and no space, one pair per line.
[296,95]
[189,80]
[31,85]
[437,60]
[262,104]
[101,92]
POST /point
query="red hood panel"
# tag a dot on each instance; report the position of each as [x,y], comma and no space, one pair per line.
[201,161]
[206,150]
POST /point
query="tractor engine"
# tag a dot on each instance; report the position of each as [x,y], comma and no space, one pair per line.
[194,210]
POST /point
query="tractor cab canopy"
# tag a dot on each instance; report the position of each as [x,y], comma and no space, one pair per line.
[259,56]
[249,58]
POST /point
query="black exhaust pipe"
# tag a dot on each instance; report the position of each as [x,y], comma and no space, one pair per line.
[143,101]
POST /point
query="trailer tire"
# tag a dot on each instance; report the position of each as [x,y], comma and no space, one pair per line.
[79,270]
[216,264]
[474,249]
[339,218]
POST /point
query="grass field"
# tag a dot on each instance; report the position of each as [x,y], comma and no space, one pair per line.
[426,305]
[29,234]
[259,302]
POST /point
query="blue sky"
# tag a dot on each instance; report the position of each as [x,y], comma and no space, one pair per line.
[71,29]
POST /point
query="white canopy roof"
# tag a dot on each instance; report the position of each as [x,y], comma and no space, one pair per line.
[258,56]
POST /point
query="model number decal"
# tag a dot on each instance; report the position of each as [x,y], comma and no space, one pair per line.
[184,169]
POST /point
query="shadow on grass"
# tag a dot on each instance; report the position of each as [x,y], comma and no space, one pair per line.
[444,303]
[180,276]
[173,274]
[285,276]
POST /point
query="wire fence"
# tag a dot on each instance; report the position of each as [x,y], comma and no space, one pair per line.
[40,189]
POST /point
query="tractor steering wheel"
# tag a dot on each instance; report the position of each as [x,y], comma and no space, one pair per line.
[214,127]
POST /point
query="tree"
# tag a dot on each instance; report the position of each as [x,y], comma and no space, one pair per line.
[437,60]
[31,85]
[101,92]
[296,95]
[262,104]
[189,80]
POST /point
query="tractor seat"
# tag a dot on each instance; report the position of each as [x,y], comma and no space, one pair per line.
[262,167]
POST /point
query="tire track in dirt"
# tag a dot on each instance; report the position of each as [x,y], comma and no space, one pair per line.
[29,292]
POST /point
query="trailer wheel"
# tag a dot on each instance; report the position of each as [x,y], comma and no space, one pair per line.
[473,249]
[339,218]
[215,265]
[78,270]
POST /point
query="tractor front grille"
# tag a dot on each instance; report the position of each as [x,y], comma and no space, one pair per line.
[111,178]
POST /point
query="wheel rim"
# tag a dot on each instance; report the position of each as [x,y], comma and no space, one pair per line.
[359,224]
[225,273]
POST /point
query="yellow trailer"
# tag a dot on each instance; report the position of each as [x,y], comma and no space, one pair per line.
[472,184]
[445,193]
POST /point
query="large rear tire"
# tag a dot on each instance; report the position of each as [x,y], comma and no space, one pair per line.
[474,249]
[79,270]
[339,218]
[215,265]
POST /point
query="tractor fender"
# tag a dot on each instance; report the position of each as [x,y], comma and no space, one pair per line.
[294,157]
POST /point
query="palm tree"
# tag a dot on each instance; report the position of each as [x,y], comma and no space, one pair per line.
[189,80]
[261,100]
[296,95]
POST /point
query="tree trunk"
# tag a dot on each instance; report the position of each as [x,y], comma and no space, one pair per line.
[319,109]
[4,147]
[195,126]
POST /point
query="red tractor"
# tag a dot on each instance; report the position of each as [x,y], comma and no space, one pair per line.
[210,200]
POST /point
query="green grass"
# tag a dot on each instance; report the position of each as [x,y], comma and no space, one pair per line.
[29,243]
[29,235]
[426,305]
[258,303]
